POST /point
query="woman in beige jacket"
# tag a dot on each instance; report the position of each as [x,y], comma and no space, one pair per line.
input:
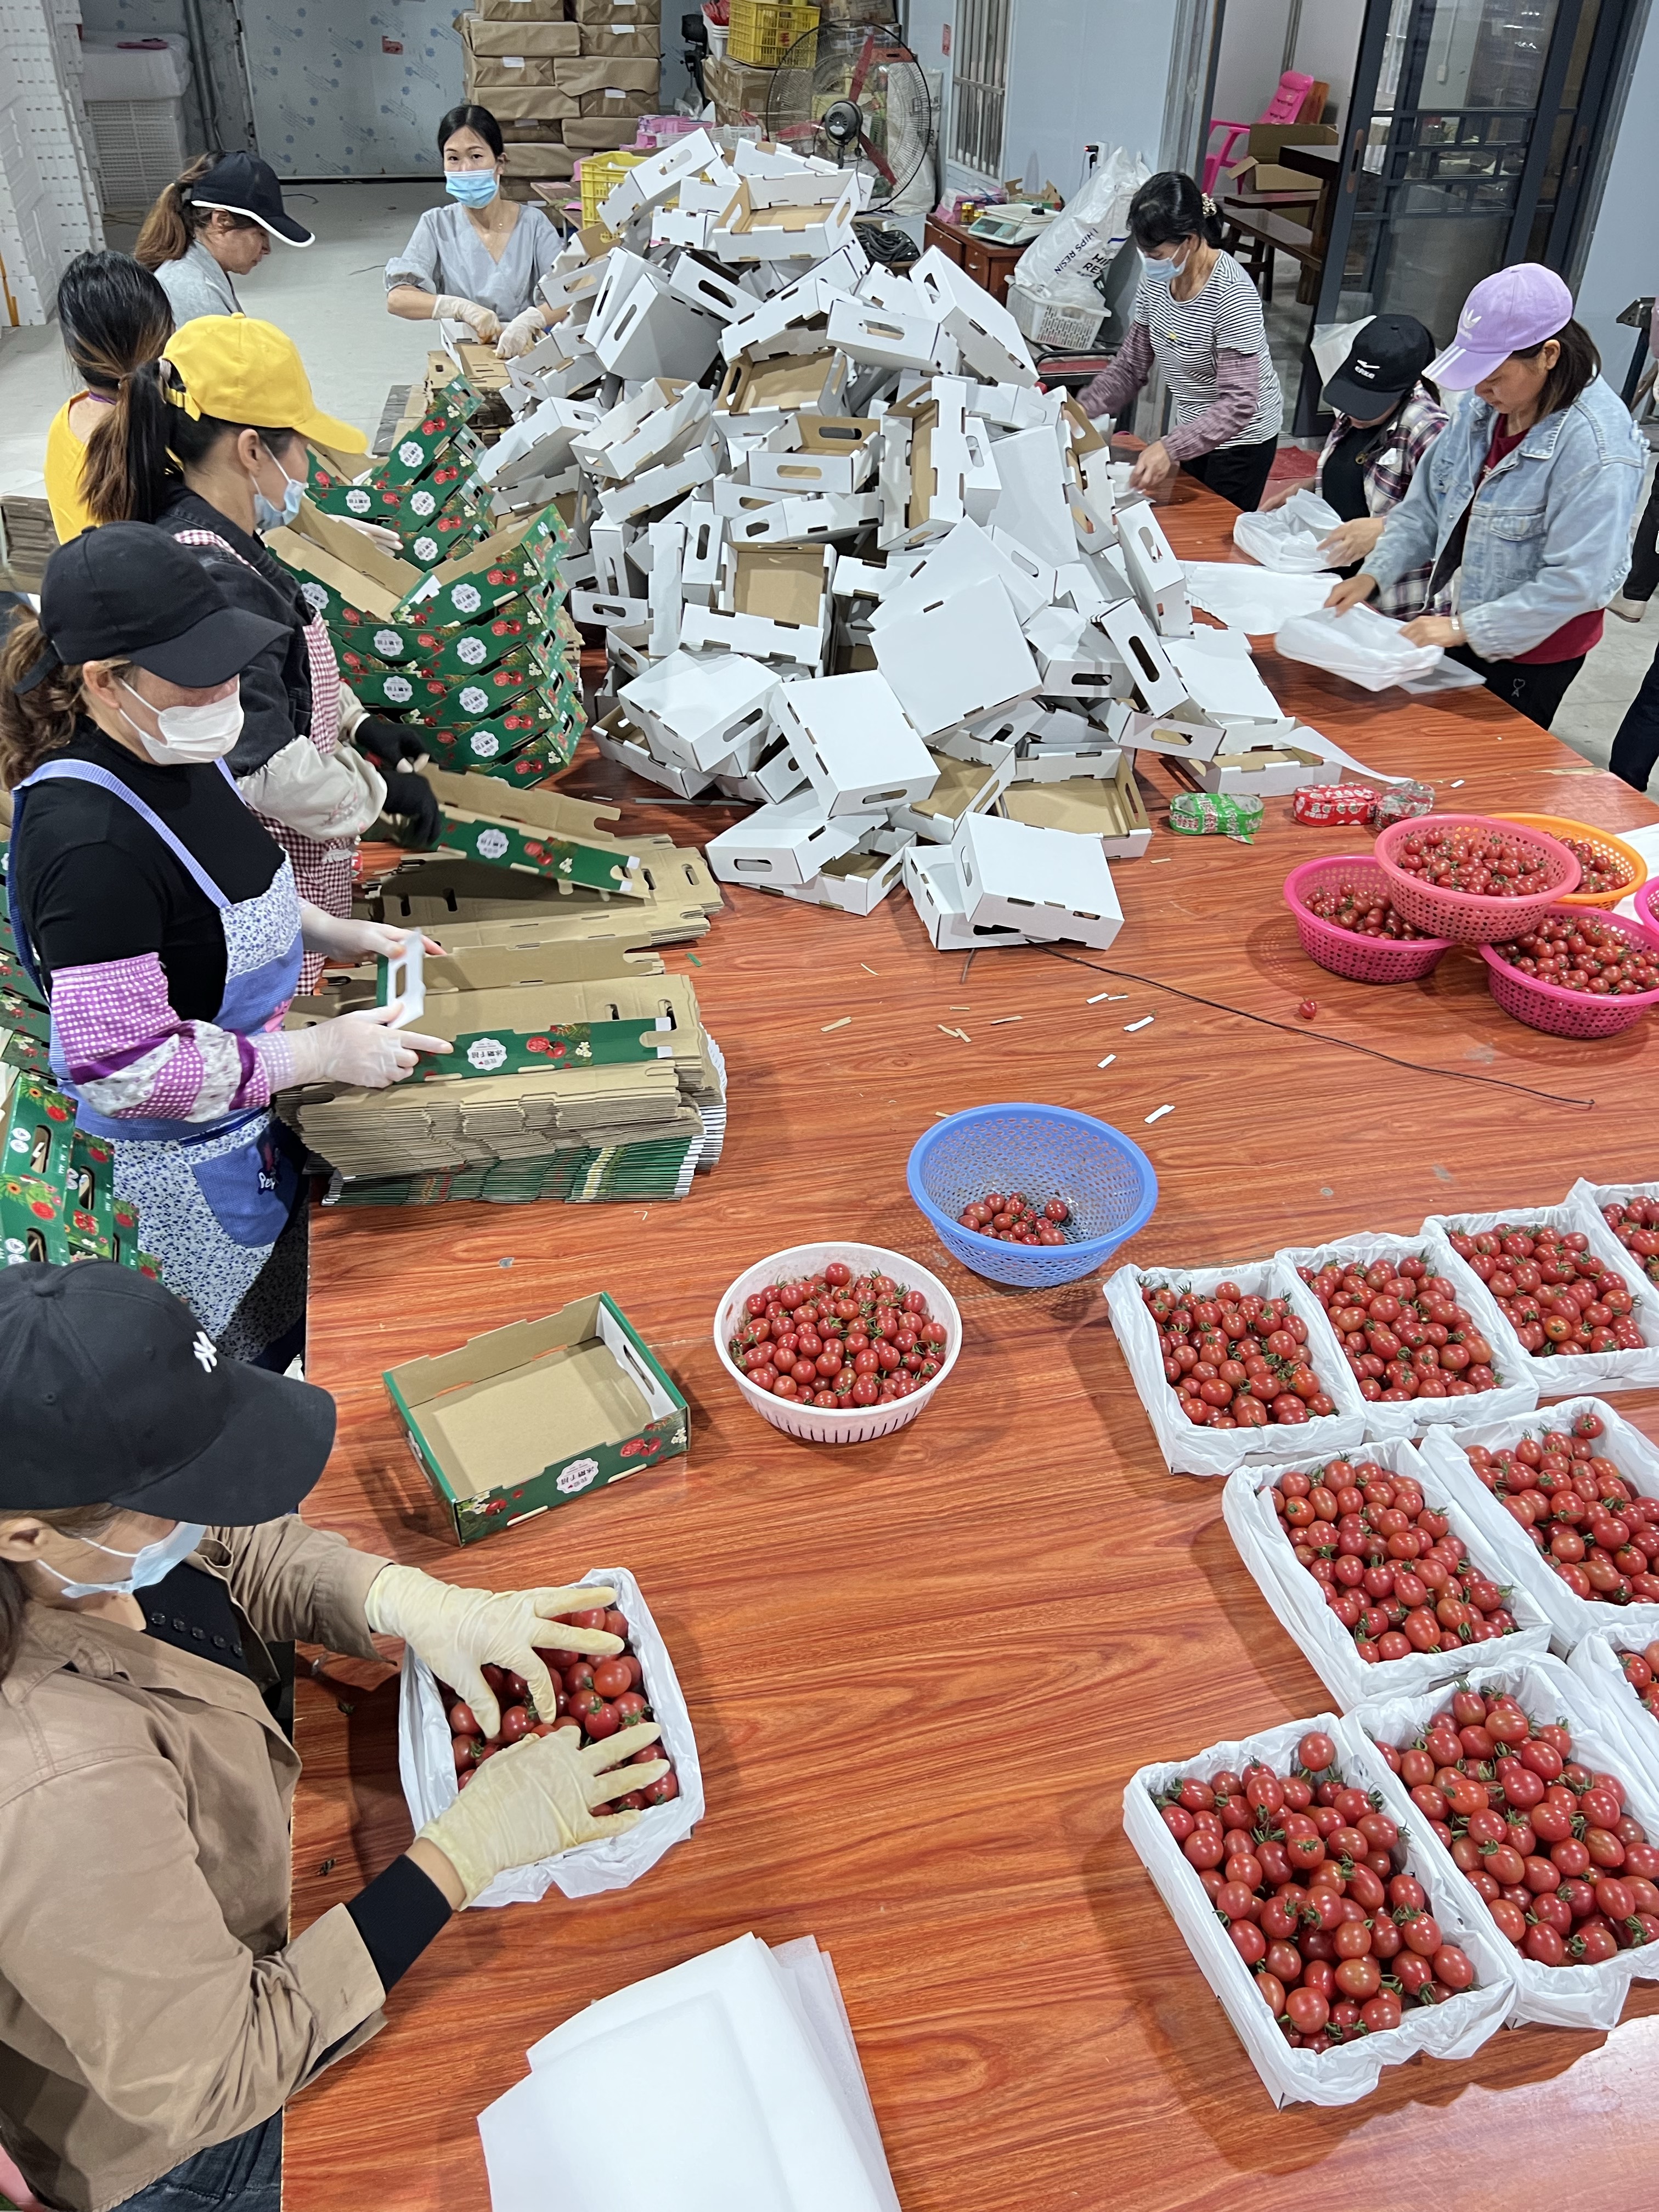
[149,1556]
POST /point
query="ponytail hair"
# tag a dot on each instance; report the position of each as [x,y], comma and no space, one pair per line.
[33,724]
[1170,208]
[174,223]
[151,441]
[115,319]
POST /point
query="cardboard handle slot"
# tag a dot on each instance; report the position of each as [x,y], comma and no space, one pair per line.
[755,867]
[884,797]
[893,330]
[1138,646]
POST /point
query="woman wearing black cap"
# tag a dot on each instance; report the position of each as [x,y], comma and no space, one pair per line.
[154,2014]
[1387,415]
[214,223]
[163,920]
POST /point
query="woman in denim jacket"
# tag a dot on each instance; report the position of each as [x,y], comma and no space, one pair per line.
[1523,506]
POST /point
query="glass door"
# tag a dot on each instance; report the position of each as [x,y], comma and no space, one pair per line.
[1466,149]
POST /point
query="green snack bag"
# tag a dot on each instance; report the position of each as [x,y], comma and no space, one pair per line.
[1209,814]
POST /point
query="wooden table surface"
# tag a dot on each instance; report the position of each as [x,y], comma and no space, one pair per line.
[921,1671]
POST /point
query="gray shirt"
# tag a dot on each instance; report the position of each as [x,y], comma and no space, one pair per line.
[196,285]
[446,254]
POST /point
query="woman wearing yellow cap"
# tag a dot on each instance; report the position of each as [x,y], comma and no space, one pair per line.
[215,455]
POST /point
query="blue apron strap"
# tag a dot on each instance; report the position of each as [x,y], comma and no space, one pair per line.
[20,936]
[86,772]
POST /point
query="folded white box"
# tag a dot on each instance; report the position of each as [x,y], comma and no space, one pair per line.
[622,741]
[650,332]
[1051,884]
[1217,673]
[990,341]
[858,881]
[1034,504]
[1156,578]
[786,842]
[701,705]
[889,337]
[958,658]
[860,749]
[962,787]
[934,878]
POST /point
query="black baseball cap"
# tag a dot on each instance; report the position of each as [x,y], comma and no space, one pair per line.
[1383,363]
[129,592]
[111,1393]
[241,184]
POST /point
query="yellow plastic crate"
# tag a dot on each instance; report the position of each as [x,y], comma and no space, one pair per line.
[600,172]
[762,31]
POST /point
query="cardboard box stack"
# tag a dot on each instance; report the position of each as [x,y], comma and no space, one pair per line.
[58,1200]
[563,81]
[851,565]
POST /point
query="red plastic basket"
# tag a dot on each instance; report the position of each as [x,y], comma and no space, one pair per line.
[1344,952]
[1471,917]
[1570,1014]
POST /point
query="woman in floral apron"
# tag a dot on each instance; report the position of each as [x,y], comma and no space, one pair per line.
[164,922]
[215,454]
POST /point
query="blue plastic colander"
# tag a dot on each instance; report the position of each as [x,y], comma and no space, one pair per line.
[1047,1151]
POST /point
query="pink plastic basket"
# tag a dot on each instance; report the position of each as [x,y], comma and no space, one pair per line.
[1647,902]
[1471,917]
[1342,951]
[1570,1014]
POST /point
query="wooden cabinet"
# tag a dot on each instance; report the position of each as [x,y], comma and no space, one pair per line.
[989,265]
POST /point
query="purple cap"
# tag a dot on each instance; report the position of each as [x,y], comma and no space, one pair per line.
[1515,308]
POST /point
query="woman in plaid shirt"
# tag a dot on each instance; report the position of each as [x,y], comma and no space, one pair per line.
[1387,418]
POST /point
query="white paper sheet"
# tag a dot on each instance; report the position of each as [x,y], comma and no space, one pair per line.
[1257,601]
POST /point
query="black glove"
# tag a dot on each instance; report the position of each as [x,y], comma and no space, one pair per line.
[413,799]
[387,744]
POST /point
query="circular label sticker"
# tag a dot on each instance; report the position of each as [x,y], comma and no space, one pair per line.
[466,599]
[399,691]
[487,1053]
[485,743]
[357,502]
[315,597]
[492,843]
[388,643]
[474,700]
[422,503]
[577,1476]
[425,549]
[411,453]
[471,650]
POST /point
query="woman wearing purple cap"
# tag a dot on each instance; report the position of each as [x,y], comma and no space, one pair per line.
[1522,508]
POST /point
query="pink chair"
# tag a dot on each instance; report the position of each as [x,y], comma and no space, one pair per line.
[1284,107]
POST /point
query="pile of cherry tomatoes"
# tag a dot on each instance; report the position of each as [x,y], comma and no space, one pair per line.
[1016,1220]
[1551,1288]
[1599,1537]
[1403,1330]
[1599,871]
[1489,863]
[1566,1872]
[838,1343]
[1635,1223]
[1237,1361]
[595,1697]
[1391,1569]
[1302,1869]
[1347,906]
[1578,952]
[1642,1673]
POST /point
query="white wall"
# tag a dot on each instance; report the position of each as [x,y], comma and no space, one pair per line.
[1251,59]
[1624,256]
[1327,42]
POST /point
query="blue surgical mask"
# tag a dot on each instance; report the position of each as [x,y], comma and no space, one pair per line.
[1160,272]
[267,517]
[471,187]
[149,1566]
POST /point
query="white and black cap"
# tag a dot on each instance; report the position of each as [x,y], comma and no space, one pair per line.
[111,1393]
[241,184]
[1383,364]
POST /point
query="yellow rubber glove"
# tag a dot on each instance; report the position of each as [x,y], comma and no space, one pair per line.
[456,1630]
[536,1798]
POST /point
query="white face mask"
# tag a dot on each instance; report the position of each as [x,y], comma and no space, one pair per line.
[149,1566]
[189,735]
[1160,272]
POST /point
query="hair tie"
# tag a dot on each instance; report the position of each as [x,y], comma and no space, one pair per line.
[1209,205]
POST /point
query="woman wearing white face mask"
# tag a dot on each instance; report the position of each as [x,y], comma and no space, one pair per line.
[479,260]
[1197,316]
[163,921]
[214,453]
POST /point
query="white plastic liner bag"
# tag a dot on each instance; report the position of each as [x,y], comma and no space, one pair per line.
[1287,538]
[1595,1662]
[1258,601]
[1361,645]
[427,1767]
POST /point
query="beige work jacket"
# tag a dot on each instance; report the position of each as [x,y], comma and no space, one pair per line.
[150,2001]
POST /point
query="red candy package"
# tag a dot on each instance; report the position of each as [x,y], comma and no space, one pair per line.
[1334,806]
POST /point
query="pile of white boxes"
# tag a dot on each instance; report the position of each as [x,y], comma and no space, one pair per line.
[852,566]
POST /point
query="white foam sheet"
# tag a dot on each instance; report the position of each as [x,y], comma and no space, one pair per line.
[1347,2071]
[1547,1690]
[743,2069]
[1254,600]
[1299,1603]
[1572,1617]
[426,1765]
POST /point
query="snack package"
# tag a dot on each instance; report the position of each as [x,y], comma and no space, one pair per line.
[1209,814]
[1401,802]
[1334,806]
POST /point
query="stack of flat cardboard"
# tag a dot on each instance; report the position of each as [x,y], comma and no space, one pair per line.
[563,80]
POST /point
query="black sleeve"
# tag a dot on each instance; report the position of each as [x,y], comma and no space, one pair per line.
[398,1916]
[269,716]
[94,901]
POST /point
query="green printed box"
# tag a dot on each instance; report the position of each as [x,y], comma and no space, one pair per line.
[21,1051]
[534,1415]
[32,1222]
[477,578]
[40,1137]
[91,1191]
[14,976]
[501,844]
[416,452]
[25,1017]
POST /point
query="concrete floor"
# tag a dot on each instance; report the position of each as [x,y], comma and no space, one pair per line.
[329,297]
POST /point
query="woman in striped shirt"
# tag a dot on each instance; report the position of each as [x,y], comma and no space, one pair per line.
[1197,317]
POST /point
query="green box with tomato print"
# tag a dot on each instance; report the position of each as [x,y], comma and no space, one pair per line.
[31,1224]
[534,1415]
[40,1137]
[479,577]
[536,733]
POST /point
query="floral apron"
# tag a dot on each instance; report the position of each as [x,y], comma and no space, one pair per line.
[214,1198]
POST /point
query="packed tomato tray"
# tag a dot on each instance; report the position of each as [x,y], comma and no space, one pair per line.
[1576,1510]
[1641,1671]
[1557,1294]
[837,1341]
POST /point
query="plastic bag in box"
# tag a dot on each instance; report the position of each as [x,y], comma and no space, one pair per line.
[1360,644]
[1288,539]
[1595,1662]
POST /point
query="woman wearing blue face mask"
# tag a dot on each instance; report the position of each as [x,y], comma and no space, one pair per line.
[214,454]
[480,259]
[1197,317]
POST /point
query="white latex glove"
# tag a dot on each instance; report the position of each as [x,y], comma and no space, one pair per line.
[344,937]
[358,1048]
[1353,542]
[520,334]
[485,322]
[456,1631]
[376,533]
[536,1798]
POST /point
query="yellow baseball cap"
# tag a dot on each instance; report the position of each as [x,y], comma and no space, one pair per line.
[242,370]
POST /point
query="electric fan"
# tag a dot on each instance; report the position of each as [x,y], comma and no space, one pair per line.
[855,94]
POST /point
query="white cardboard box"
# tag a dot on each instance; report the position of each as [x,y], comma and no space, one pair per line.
[700,708]
[967,555]
[958,658]
[1156,578]
[653,181]
[712,290]
[705,539]
[657,487]
[1035,504]
[991,341]
[1052,884]
[962,787]
[777,772]
[774,605]
[1222,679]
[860,750]
[1160,681]
[888,338]
[652,333]
[786,230]
[1184,732]
[859,880]
[933,880]
[1074,659]
[788,843]
[621,740]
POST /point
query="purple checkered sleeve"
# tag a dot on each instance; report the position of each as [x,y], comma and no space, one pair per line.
[130,1056]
